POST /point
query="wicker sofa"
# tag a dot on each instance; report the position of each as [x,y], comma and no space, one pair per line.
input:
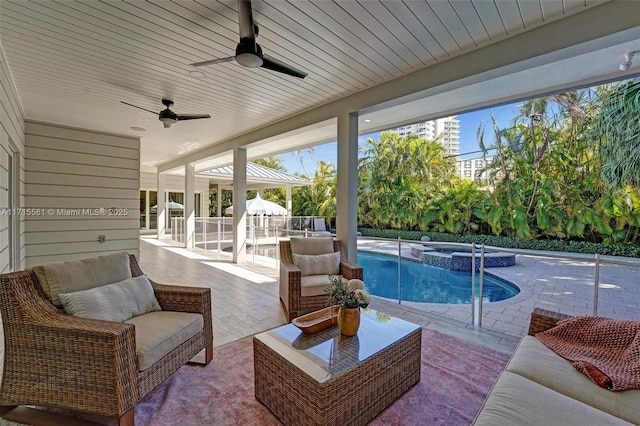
[53,359]
[539,387]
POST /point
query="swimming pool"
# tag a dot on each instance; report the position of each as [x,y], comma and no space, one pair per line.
[426,283]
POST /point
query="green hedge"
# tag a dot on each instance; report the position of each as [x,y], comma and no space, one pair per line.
[509,242]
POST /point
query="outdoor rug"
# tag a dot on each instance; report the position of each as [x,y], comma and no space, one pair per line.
[456,377]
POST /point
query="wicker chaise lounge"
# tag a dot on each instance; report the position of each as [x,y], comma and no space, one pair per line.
[53,359]
[539,387]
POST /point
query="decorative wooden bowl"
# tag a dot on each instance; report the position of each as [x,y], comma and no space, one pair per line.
[318,320]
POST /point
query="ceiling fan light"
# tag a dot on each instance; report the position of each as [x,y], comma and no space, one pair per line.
[168,121]
[249,60]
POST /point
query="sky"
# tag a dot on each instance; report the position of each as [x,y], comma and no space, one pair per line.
[469,124]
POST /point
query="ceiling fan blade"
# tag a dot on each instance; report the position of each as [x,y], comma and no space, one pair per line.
[275,65]
[245,19]
[213,61]
[144,109]
[191,116]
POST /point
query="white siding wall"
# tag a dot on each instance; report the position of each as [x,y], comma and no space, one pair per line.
[11,138]
[71,174]
[173,183]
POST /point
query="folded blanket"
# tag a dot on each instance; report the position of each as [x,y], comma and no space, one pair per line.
[606,350]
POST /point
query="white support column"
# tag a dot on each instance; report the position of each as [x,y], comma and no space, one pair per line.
[347,187]
[189,205]
[239,205]
[204,204]
[219,200]
[147,210]
[288,191]
[160,211]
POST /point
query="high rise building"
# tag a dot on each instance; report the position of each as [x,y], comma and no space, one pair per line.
[443,130]
[473,168]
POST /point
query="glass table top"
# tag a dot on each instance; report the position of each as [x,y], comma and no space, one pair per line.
[326,354]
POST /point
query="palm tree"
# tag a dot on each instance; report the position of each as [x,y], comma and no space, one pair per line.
[398,176]
[276,195]
[318,199]
[299,155]
[458,209]
[273,162]
[546,179]
[618,128]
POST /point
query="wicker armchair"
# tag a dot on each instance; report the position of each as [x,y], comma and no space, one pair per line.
[56,360]
[291,279]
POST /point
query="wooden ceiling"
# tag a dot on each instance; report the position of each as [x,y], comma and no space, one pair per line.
[74,61]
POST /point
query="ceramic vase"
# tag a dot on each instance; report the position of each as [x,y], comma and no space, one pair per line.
[349,321]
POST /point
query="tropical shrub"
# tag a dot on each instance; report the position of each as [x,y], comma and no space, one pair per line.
[509,242]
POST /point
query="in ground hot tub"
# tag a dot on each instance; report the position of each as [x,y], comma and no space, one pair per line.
[459,259]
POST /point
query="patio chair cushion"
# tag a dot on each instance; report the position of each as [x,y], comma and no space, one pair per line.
[311,245]
[112,302]
[158,333]
[516,400]
[83,274]
[538,363]
[315,285]
[317,264]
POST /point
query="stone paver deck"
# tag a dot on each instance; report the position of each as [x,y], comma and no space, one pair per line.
[245,296]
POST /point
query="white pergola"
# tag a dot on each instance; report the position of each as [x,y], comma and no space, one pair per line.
[258,177]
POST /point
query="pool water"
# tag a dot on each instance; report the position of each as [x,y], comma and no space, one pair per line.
[426,283]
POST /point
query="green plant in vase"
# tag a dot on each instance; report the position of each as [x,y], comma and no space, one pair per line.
[350,296]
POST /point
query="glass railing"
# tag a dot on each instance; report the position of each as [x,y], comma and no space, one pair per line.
[508,284]
[263,234]
[436,278]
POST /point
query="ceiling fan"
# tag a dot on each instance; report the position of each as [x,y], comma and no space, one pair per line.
[169,117]
[248,52]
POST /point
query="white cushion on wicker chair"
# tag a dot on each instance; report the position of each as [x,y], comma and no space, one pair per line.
[158,333]
[317,264]
[83,274]
[311,245]
[112,302]
[315,285]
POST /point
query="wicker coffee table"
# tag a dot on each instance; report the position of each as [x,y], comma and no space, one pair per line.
[327,379]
